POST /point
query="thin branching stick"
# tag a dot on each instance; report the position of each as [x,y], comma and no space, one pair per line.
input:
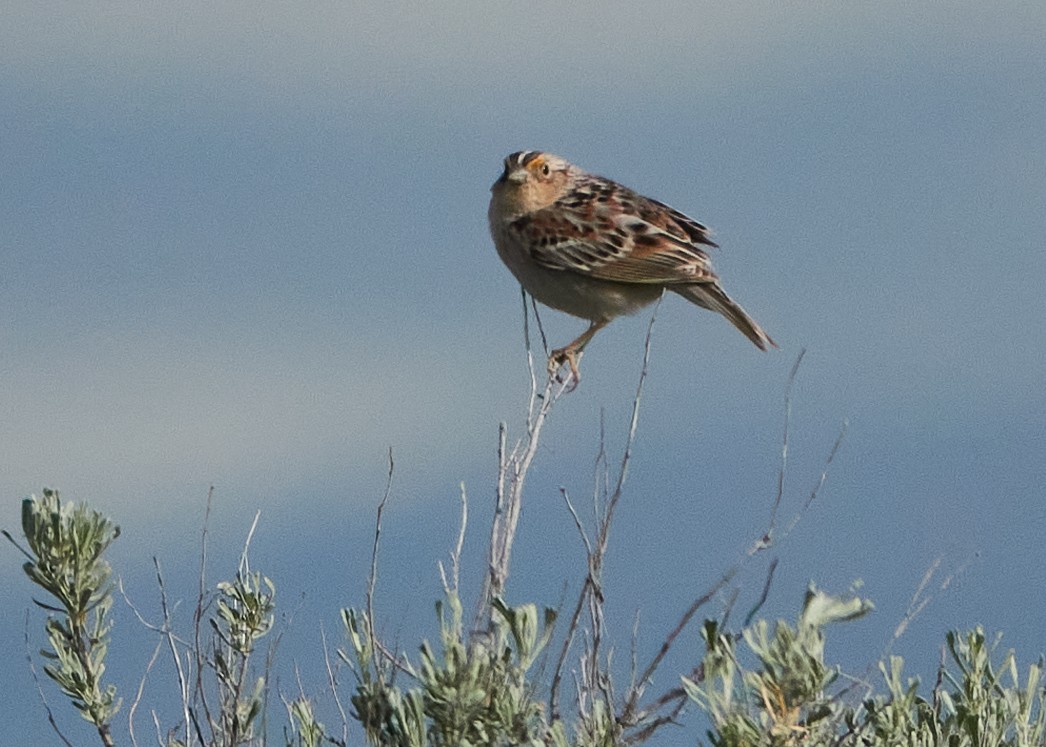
[822,478]
[633,424]
[629,713]
[372,579]
[513,466]
[245,563]
[575,618]
[764,595]
[141,689]
[167,636]
[198,651]
[591,591]
[332,681]
[532,372]
[172,645]
[451,586]
[784,443]
[456,556]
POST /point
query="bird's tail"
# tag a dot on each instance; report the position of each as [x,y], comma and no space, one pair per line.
[710,296]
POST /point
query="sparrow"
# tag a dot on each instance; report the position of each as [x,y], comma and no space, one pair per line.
[595,249]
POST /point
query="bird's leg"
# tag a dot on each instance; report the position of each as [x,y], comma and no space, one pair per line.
[572,352]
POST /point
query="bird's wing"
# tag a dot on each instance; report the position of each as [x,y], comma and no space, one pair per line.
[618,235]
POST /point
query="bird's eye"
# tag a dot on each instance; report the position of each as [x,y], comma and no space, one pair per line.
[545,169]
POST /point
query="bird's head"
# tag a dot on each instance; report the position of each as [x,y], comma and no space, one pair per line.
[532,180]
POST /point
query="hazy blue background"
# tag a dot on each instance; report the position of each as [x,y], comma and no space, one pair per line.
[245,246]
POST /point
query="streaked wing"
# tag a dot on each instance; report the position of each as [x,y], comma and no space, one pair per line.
[608,231]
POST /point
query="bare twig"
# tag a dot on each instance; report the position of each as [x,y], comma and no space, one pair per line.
[591,592]
[728,606]
[820,480]
[376,643]
[595,597]
[166,631]
[676,697]
[827,463]
[762,597]
[537,319]
[920,599]
[332,680]
[530,353]
[916,603]
[513,466]
[577,522]
[141,689]
[198,650]
[245,563]
[455,555]
[270,659]
[633,424]
[568,640]
[784,445]
[633,661]
[600,473]
[575,617]
[372,579]
[666,645]
[768,537]
[138,614]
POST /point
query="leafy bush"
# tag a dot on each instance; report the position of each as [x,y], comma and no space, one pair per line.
[480,690]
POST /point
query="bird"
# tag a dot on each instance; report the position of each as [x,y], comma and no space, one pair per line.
[597,250]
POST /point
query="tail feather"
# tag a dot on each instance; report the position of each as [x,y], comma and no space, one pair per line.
[712,297]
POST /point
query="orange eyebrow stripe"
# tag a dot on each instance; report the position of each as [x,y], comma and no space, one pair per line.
[534,161]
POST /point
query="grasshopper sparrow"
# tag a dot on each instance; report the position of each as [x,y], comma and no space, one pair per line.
[595,249]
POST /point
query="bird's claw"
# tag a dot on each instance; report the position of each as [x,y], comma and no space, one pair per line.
[569,356]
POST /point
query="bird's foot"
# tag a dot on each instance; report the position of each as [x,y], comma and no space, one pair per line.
[571,356]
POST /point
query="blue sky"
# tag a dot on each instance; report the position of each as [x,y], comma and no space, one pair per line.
[246,247]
